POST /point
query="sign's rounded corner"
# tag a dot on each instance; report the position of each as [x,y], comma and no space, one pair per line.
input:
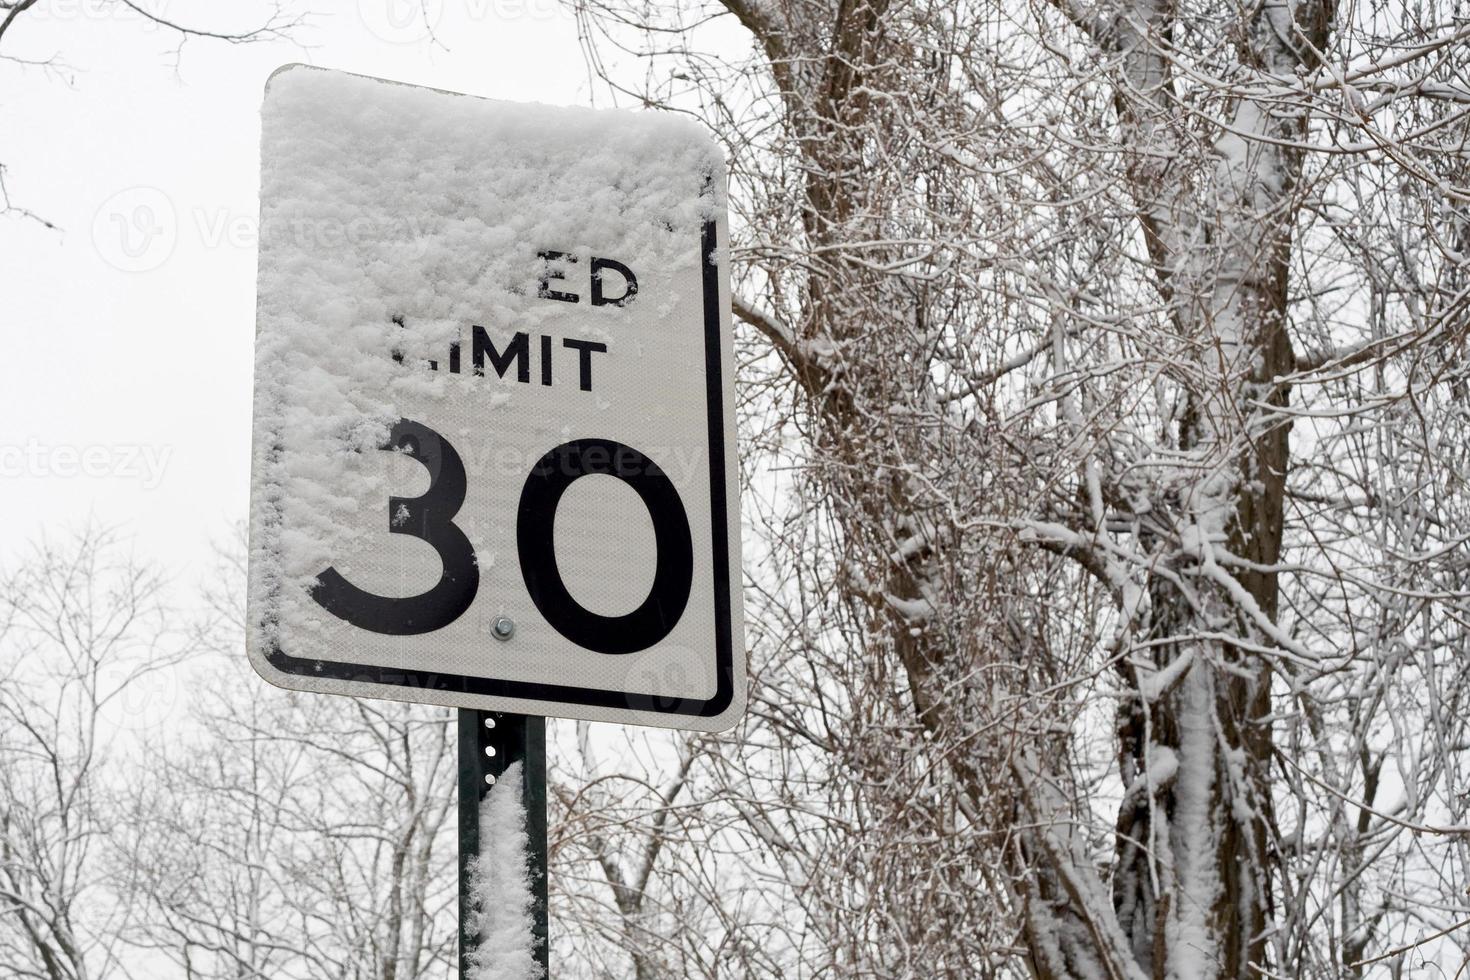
[728,717]
[263,663]
[282,70]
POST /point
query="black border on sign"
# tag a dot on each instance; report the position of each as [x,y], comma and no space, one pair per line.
[720,540]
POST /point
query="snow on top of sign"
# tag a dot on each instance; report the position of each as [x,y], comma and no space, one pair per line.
[500,887]
[382,201]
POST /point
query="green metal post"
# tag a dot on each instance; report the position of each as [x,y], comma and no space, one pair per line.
[489,742]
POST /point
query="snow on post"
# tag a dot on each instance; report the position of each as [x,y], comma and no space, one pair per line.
[500,887]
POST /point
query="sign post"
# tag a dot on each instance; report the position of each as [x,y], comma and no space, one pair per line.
[489,743]
[494,456]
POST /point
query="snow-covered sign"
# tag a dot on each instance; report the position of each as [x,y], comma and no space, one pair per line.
[494,459]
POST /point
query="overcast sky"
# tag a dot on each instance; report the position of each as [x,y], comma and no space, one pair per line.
[128,333]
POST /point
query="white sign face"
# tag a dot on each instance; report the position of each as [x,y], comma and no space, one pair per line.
[494,459]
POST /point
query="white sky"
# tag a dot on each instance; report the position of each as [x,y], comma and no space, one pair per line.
[126,372]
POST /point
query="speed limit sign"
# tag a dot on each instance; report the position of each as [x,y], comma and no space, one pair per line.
[494,457]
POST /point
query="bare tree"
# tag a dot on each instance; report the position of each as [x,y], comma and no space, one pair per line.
[291,835]
[302,837]
[268,21]
[1103,364]
[82,629]
[610,828]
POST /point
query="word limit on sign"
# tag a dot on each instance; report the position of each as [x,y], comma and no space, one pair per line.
[517,351]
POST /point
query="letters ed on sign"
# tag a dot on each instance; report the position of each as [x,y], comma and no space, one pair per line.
[513,406]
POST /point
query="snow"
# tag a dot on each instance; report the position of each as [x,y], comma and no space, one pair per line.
[1154,683]
[1191,939]
[1163,766]
[913,610]
[501,886]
